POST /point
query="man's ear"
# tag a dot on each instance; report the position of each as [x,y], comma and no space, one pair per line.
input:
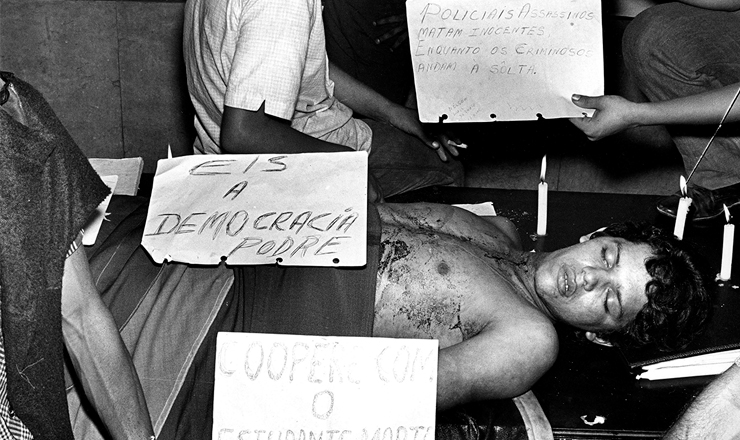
[593,337]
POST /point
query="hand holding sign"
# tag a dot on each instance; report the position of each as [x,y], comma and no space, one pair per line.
[477,61]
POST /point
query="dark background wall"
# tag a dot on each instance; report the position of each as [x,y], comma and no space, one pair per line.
[112,71]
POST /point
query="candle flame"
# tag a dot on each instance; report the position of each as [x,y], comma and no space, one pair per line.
[544,168]
[682,183]
[727,212]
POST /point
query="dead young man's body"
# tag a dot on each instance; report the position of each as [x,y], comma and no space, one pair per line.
[449,275]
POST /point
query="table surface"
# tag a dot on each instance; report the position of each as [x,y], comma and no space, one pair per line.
[587,379]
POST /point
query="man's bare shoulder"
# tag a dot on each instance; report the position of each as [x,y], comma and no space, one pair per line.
[529,346]
[513,317]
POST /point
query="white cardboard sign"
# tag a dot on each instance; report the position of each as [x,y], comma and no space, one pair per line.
[289,387]
[299,209]
[483,61]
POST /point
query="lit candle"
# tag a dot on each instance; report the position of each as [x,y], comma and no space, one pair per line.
[683,209]
[542,200]
[727,242]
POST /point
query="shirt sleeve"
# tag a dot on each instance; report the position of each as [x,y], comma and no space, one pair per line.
[270,56]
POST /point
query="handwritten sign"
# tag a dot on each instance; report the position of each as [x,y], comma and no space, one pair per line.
[334,388]
[478,61]
[299,209]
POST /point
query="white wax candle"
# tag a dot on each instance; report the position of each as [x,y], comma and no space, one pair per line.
[728,240]
[683,209]
[542,200]
[542,208]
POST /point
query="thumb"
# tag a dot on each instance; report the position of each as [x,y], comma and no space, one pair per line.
[584,101]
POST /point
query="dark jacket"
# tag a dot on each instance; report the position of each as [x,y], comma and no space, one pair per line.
[47,191]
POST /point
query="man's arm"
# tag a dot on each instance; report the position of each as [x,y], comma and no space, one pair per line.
[99,356]
[717,5]
[361,98]
[502,361]
[715,413]
[366,101]
[614,114]
[255,132]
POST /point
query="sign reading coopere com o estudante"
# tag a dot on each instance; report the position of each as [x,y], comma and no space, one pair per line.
[288,387]
[298,210]
[478,60]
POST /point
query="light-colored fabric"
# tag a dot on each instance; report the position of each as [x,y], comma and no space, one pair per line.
[243,53]
[535,421]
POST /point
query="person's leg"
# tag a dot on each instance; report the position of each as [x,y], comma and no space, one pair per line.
[401,163]
[674,50]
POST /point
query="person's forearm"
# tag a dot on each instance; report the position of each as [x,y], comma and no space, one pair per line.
[702,109]
[110,382]
[254,132]
[359,97]
[717,5]
[99,356]
[715,413]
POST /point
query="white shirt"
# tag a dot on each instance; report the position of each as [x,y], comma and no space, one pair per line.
[243,53]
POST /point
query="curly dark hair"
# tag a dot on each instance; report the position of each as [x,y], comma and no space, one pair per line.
[678,302]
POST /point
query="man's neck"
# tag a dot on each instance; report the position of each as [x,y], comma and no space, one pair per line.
[532,261]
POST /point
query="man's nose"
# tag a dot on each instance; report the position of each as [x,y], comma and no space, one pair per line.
[593,277]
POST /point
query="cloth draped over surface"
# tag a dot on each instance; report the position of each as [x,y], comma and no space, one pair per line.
[169,315]
[47,191]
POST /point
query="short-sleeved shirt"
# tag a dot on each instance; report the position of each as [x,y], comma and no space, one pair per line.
[243,53]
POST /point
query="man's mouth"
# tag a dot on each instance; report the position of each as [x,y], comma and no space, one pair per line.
[566,281]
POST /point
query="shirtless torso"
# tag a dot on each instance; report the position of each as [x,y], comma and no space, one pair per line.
[450,275]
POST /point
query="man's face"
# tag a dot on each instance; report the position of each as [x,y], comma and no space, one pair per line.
[597,285]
